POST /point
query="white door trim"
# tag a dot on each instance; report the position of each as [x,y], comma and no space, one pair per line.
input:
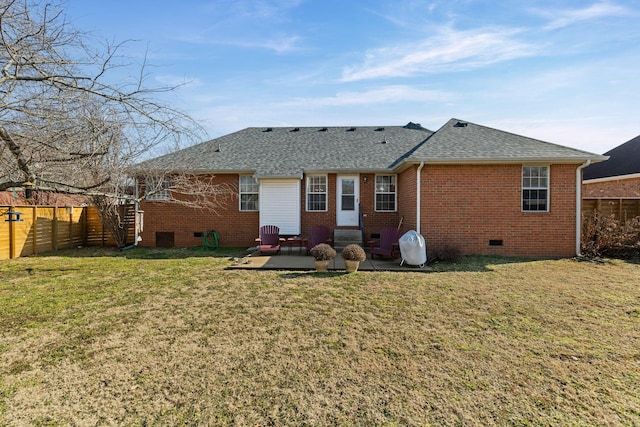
[349,215]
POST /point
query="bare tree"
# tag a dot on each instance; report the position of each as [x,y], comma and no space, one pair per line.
[72,119]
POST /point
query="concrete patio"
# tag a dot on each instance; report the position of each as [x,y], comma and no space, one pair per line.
[302,262]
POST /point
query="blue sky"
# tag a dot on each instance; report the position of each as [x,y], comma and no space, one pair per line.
[562,71]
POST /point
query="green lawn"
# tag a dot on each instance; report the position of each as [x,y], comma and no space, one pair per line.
[150,337]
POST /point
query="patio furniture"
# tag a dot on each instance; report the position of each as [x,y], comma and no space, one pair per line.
[296,241]
[387,244]
[319,234]
[269,240]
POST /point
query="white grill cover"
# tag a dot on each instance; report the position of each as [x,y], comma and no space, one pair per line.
[413,249]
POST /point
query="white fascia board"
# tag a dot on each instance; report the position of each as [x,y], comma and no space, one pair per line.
[611,178]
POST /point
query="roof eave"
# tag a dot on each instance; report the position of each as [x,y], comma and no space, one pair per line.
[505,160]
[278,176]
[142,172]
[612,178]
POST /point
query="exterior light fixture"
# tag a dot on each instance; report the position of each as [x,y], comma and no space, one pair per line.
[28,190]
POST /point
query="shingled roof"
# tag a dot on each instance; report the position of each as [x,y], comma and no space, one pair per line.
[460,141]
[623,160]
[289,152]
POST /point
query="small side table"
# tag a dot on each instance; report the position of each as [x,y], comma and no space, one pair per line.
[297,241]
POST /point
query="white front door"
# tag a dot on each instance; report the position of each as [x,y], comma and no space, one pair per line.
[348,194]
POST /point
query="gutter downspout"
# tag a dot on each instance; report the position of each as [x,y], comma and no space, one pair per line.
[579,205]
[418,196]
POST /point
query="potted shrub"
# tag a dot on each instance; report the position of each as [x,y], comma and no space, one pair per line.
[323,253]
[352,255]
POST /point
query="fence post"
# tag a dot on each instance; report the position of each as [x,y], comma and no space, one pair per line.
[622,220]
[70,228]
[85,226]
[34,227]
[12,240]
[102,230]
[54,229]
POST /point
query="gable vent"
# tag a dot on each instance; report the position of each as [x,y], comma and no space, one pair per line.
[268,130]
[461,125]
[322,130]
[295,130]
[351,129]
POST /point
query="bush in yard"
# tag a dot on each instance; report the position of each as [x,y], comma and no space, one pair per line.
[323,252]
[448,254]
[604,235]
[354,252]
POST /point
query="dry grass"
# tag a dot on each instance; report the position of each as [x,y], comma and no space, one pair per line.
[127,339]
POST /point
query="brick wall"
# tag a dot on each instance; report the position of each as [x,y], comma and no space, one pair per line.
[407,203]
[239,229]
[376,221]
[613,188]
[466,206]
[328,218]
[235,228]
[463,206]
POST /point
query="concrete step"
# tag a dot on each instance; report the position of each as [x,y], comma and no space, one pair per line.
[342,238]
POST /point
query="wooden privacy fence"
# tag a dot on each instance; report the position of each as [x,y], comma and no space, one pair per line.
[621,209]
[46,228]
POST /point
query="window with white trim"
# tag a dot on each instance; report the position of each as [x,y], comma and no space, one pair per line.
[249,190]
[157,188]
[385,193]
[317,193]
[535,188]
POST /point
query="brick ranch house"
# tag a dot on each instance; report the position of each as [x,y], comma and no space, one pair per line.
[618,177]
[613,187]
[478,189]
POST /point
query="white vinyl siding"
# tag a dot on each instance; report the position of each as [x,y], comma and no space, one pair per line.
[280,204]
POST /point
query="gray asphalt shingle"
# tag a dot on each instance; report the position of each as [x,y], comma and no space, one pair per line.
[289,152]
[463,141]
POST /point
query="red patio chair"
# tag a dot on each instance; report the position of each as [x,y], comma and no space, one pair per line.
[319,234]
[387,245]
[269,240]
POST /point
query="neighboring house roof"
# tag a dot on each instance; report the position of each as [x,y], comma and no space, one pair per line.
[16,198]
[289,152]
[464,142]
[623,160]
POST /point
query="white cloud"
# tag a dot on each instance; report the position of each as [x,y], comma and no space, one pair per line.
[565,18]
[448,51]
[378,95]
[278,44]
[281,43]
